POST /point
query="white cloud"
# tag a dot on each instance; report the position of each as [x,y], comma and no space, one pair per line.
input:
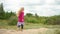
[50,1]
[41,7]
[11,5]
[45,10]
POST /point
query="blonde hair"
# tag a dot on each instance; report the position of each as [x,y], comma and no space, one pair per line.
[20,11]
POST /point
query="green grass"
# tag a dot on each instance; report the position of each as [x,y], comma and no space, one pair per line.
[32,26]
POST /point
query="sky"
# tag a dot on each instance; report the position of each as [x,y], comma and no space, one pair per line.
[41,7]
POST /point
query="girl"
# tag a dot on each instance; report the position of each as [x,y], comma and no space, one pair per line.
[20,16]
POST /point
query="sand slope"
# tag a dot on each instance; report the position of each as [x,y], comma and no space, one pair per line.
[28,31]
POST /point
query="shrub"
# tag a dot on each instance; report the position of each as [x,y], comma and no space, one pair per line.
[57,31]
[13,22]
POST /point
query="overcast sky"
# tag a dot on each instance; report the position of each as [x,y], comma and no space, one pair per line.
[41,7]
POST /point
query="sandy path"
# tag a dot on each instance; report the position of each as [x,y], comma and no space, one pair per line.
[29,31]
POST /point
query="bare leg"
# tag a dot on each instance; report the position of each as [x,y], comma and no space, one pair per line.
[21,27]
[18,27]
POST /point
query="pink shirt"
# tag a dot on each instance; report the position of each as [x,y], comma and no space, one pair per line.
[21,17]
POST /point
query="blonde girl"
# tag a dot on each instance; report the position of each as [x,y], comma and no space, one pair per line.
[20,15]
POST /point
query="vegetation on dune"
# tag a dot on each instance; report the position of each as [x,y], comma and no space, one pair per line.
[11,19]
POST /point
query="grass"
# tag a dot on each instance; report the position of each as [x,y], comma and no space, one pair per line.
[31,26]
[52,29]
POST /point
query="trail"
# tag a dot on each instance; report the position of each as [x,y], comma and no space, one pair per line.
[28,31]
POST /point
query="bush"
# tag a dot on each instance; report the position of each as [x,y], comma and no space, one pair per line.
[13,22]
[57,32]
[32,21]
[53,20]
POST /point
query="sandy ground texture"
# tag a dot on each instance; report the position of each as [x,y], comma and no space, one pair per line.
[28,31]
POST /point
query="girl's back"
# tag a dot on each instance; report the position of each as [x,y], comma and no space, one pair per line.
[21,16]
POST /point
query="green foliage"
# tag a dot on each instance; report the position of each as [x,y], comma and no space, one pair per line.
[54,20]
[9,14]
[32,21]
[29,14]
[57,31]
[36,15]
[2,13]
[13,22]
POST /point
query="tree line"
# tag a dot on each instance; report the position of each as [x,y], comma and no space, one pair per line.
[3,14]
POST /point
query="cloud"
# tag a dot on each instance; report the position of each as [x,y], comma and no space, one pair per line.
[33,2]
[57,2]
[45,10]
[1,1]
[11,5]
[41,7]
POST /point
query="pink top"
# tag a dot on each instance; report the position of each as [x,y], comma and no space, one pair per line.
[21,17]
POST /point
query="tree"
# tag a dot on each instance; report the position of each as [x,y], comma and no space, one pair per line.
[29,14]
[36,15]
[2,13]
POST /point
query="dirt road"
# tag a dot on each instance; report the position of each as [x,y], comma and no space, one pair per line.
[28,31]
